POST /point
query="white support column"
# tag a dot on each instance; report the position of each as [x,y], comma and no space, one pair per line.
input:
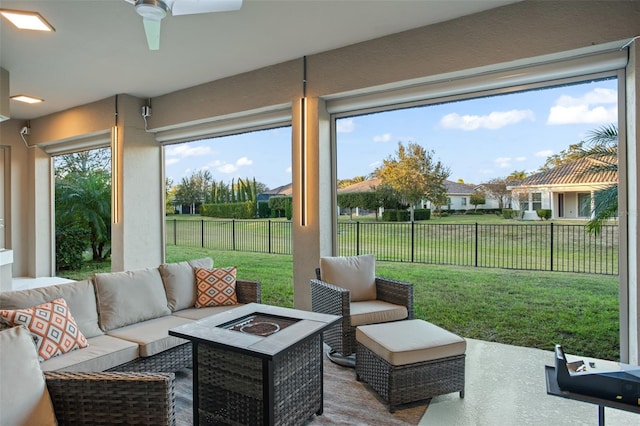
[629,203]
[314,210]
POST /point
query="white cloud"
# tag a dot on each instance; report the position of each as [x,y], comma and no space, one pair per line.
[494,120]
[345,125]
[503,162]
[521,158]
[382,138]
[227,168]
[544,153]
[171,161]
[375,164]
[188,151]
[598,106]
[288,169]
[243,161]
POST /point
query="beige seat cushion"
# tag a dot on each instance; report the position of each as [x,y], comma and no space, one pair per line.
[80,297]
[153,335]
[180,282]
[104,352]
[24,398]
[376,311]
[408,342]
[199,313]
[130,297]
[355,273]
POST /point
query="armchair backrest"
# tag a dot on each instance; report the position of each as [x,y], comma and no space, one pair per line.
[355,273]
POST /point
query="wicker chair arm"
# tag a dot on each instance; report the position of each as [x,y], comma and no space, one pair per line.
[100,398]
[394,291]
[248,291]
[329,299]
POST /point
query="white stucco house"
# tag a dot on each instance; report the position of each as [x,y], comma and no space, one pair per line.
[567,190]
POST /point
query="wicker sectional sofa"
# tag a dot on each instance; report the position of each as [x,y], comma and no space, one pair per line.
[125,316]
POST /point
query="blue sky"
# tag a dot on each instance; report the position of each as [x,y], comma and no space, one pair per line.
[478,139]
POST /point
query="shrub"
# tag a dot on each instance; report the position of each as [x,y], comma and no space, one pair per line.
[474,212]
[403,216]
[544,214]
[509,213]
[71,242]
[278,205]
[263,209]
[390,215]
[422,214]
[246,210]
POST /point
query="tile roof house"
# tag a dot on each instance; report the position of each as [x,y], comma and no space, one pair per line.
[458,195]
[567,190]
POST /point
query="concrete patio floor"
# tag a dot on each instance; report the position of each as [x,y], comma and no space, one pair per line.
[505,385]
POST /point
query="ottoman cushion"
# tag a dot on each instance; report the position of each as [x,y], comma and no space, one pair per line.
[411,341]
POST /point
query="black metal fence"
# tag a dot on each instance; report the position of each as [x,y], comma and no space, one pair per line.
[542,247]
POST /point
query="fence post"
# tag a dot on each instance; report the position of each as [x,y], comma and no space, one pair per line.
[233,234]
[269,235]
[413,237]
[357,237]
[551,244]
[175,232]
[476,251]
[202,233]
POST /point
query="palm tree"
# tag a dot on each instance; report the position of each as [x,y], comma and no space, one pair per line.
[602,145]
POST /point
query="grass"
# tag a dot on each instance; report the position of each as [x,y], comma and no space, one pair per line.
[522,308]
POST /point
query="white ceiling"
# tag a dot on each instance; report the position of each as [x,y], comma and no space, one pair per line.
[99,47]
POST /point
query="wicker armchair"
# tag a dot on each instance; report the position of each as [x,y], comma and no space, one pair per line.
[332,299]
[112,398]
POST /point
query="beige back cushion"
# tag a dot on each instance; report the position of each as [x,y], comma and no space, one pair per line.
[129,297]
[80,297]
[180,282]
[24,398]
[355,273]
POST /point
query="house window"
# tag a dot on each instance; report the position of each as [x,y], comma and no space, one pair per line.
[463,201]
[537,200]
[584,205]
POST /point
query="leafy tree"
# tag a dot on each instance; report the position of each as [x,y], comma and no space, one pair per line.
[574,152]
[413,174]
[343,183]
[169,196]
[497,188]
[81,163]
[476,198]
[602,146]
[517,175]
[82,206]
[85,201]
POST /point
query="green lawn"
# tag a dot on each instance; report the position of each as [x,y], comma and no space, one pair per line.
[523,308]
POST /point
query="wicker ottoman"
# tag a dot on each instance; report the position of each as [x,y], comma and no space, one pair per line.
[407,361]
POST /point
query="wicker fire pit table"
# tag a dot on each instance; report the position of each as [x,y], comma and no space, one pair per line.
[257,364]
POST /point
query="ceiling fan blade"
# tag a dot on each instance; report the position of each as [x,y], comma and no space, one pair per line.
[152,30]
[192,7]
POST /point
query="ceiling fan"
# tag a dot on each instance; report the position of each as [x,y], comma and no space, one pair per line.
[153,11]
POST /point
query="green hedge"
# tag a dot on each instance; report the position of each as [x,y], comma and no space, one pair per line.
[509,213]
[544,214]
[71,242]
[264,210]
[246,210]
[422,214]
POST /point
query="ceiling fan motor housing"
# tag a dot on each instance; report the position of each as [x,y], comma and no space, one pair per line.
[154,10]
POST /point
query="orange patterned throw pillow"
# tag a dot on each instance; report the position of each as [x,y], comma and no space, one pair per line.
[216,287]
[52,326]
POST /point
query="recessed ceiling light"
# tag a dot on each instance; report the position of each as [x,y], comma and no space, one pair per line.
[27,20]
[27,99]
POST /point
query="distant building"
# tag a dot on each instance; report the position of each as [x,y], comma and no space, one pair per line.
[567,190]
[284,190]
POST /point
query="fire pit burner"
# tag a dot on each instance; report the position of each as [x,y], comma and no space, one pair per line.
[259,324]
